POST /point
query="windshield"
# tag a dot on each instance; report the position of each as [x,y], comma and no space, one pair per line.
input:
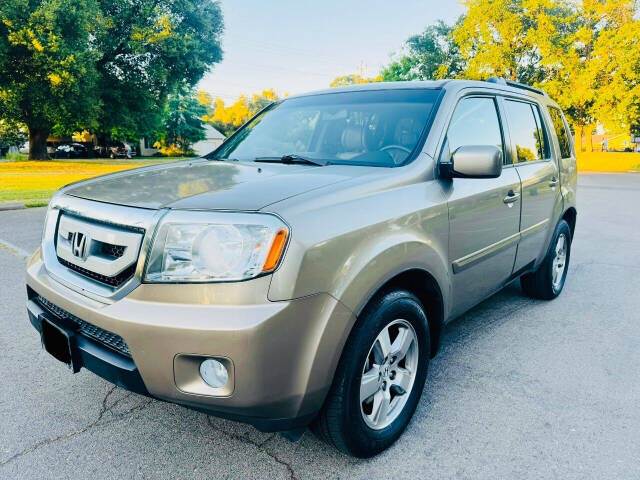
[377,127]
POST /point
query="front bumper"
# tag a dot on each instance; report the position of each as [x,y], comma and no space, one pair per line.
[283,354]
[92,355]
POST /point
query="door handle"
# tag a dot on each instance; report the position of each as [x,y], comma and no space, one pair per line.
[553,182]
[511,197]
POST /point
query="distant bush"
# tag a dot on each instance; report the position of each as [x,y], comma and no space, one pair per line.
[17,157]
[172,151]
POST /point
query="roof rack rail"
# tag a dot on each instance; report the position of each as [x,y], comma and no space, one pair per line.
[504,81]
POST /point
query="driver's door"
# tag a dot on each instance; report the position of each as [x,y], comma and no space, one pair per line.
[484,213]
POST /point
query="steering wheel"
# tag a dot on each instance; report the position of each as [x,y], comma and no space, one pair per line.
[395,147]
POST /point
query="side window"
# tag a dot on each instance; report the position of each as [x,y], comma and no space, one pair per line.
[526,131]
[474,122]
[561,131]
[543,138]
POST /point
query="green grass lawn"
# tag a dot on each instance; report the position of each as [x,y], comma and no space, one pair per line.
[33,182]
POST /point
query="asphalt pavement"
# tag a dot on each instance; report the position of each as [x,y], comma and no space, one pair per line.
[520,389]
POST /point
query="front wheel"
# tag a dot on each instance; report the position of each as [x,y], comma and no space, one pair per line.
[380,377]
[548,280]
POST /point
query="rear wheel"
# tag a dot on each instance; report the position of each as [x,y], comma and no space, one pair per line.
[548,280]
[380,377]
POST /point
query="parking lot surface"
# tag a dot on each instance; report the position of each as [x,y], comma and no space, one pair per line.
[520,389]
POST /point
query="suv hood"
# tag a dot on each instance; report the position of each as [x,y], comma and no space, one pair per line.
[205,184]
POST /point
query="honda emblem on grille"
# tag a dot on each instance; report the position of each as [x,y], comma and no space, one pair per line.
[79,244]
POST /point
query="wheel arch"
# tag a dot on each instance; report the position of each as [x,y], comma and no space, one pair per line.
[570,216]
[425,287]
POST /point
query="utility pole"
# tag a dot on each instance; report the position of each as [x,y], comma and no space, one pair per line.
[362,70]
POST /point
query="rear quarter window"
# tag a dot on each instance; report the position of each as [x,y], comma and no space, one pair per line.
[562,133]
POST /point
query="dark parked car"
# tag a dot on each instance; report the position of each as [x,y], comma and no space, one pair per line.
[71,150]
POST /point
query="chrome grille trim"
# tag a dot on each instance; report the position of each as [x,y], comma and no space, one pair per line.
[96,234]
[117,216]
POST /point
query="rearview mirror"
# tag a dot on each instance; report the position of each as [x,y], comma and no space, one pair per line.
[474,161]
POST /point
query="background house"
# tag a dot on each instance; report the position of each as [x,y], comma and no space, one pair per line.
[146,147]
[212,140]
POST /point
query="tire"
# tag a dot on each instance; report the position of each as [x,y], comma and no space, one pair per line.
[540,284]
[344,421]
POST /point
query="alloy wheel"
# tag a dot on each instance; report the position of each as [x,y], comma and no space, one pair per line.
[388,374]
[559,261]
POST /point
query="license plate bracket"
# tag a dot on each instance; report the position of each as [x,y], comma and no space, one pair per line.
[58,342]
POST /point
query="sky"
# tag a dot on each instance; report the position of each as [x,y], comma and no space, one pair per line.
[299,46]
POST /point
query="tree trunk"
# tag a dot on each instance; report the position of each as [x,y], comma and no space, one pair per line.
[38,143]
[578,140]
[589,137]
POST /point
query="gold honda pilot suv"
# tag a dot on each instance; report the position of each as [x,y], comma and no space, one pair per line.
[302,273]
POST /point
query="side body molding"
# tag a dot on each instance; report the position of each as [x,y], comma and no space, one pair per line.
[474,258]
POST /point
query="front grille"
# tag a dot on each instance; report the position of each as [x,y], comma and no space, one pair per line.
[115,251]
[115,281]
[104,337]
[104,248]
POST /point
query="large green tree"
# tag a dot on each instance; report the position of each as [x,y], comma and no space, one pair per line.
[502,38]
[11,134]
[183,124]
[47,60]
[600,78]
[149,50]
[583,53]
[103,65]
[430,55]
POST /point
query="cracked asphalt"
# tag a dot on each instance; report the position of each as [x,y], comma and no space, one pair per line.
[520,389]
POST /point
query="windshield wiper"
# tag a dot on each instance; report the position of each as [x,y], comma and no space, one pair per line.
[293,158]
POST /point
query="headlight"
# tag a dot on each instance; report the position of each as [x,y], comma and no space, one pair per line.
[50,220]
[215,246]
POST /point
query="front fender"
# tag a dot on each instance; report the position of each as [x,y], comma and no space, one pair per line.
[353,265]
[376,261]
[380,261]
[349,249]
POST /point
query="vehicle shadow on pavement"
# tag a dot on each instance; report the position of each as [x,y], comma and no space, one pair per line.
[449,365]
[119,421]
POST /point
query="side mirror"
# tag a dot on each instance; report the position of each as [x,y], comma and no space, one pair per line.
[474,161]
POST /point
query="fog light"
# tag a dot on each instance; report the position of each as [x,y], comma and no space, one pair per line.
[214,373]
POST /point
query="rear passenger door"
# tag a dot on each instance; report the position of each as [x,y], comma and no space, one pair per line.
[538,170]
[484,213]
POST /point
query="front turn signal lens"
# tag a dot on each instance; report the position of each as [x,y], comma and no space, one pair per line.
[277,247]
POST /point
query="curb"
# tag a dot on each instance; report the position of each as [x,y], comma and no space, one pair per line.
[11,206]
